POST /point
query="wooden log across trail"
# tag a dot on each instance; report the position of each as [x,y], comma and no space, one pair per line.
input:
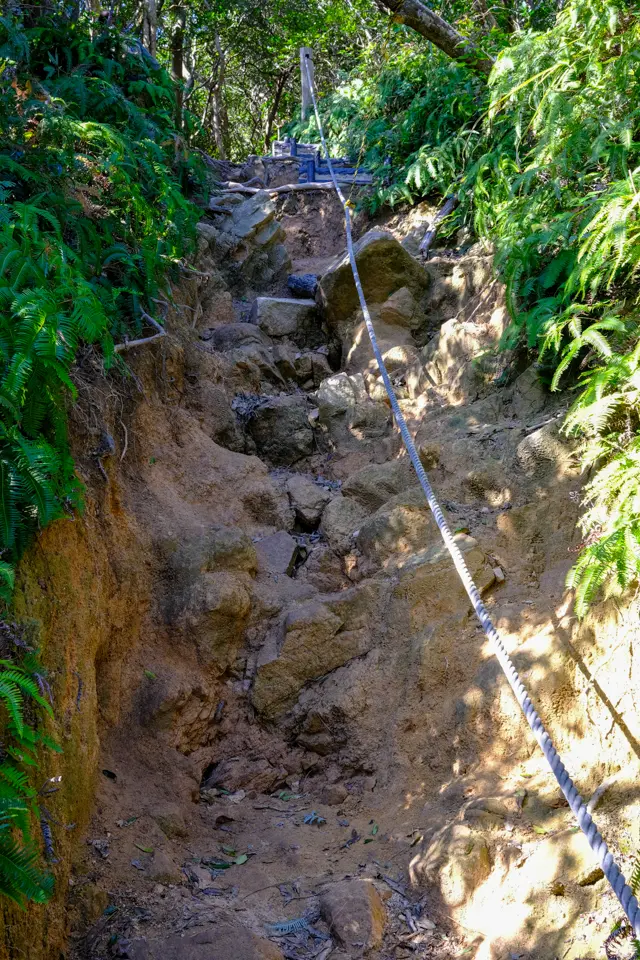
[285,188]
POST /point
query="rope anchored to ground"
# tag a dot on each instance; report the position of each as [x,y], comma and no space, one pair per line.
[612,872]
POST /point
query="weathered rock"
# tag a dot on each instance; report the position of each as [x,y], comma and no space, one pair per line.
[384,266]
[219,548]
[251,216]
[303,284]
[355,915]
[456,282]
[401,310]
[357,348]
[429,586]
[162,869]
[280,317]
[375,484]
[565,856]
[281,429]
[277,554]
[216,616]
[312,639]
[250,242]
[341,519]
[458,860]
[234,335]
[308,368]
[216,416]
[303,646]
[334,794]
[459,357]
[340,392]
[169,818]
[245,773]
[223,940]
[308,500]
[543,451]
[402,525]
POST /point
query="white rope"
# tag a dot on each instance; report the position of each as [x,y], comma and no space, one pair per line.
[610,869]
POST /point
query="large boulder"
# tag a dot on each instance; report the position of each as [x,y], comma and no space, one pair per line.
[249,242]
[340,522]
[283,317]
[384,266]
[312,639]
[403,525]
[340,392]
[281,429]
[376,483]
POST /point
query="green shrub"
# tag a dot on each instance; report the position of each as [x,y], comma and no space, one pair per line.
[545,161]
[93,221]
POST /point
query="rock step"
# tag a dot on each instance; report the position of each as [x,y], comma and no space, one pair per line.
[284,317]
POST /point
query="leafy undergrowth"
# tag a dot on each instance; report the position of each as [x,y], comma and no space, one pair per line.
[93,220]
[546,163]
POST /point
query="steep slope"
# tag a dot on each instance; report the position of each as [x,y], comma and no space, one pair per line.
[256,623]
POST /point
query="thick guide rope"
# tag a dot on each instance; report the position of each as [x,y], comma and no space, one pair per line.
[610,869]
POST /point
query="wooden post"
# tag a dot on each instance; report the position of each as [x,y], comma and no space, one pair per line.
[311,170]
[306,53]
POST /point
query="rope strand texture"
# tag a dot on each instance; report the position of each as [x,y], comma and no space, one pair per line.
[610,869]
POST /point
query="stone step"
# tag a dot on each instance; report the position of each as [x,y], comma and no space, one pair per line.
[282,316]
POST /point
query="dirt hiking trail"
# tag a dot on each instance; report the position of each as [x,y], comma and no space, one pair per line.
[306,747]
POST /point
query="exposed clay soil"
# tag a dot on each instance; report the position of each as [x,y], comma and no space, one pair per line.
[409,751]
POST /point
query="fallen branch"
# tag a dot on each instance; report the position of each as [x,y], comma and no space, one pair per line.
[448,207]
[286,188]
[246,183]
[130,344]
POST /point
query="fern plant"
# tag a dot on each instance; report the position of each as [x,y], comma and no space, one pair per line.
[21,878]
[94,221]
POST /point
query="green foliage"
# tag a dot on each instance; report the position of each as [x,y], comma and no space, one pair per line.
[93,221]
[21,677]
[93,218]
[545,161]
[408,116]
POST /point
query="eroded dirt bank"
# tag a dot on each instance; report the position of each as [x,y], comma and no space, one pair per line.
[273,700]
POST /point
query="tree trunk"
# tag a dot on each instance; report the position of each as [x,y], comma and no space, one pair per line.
[219,112]
[273,110]
[150,26]
[428,24]
[177,58]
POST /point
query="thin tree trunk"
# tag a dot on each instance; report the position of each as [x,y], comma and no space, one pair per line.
[150,26]
[219,113]
[273,110]
[177,59]
[428,24]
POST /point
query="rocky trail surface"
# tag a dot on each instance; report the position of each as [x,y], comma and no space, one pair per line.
[310,751]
